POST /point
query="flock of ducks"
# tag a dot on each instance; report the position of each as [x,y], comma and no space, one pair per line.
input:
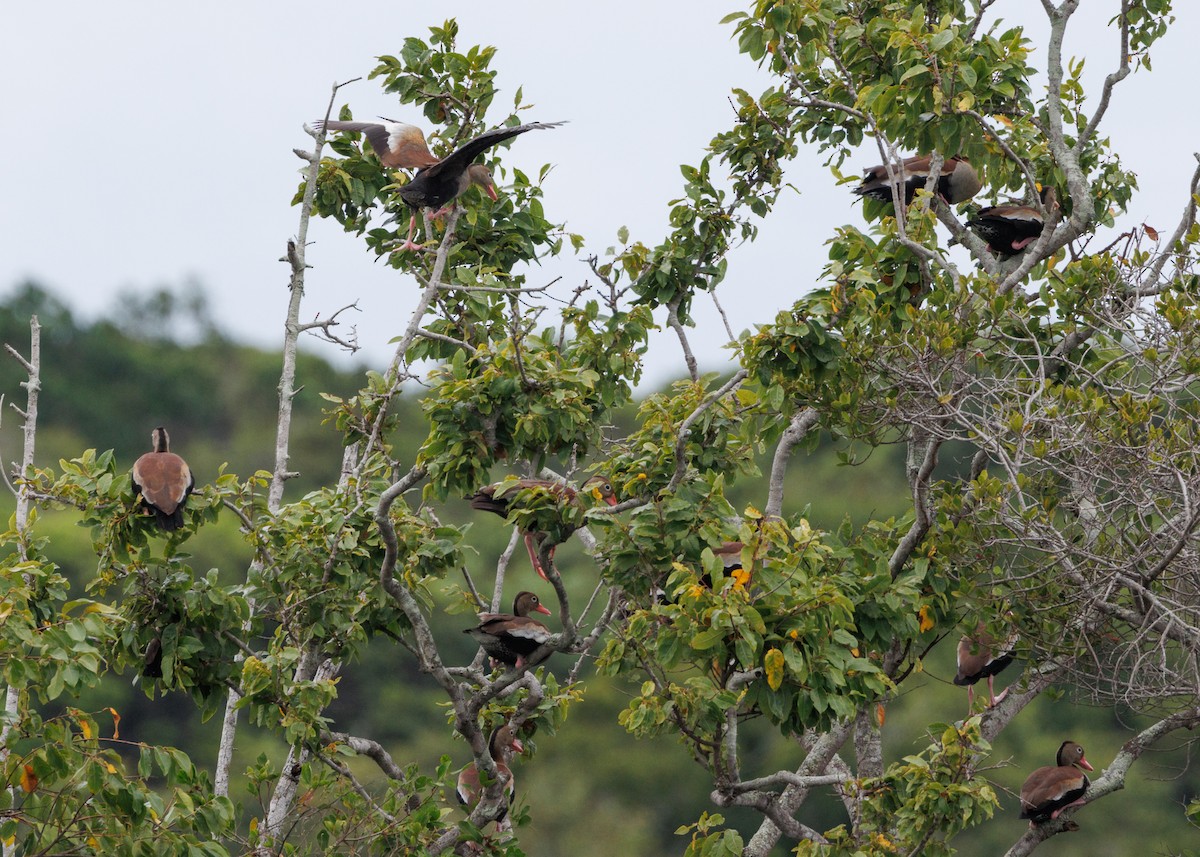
[1007,229]
[163,480]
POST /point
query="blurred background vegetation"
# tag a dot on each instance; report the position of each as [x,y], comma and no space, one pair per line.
[596,790]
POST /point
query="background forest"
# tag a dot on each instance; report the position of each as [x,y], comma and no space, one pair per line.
[954,431]
[596,788]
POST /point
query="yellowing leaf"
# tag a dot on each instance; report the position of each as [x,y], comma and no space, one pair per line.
[116,723]
[85,728]
[926,619]
[773,663]
[880,714]
[29,779]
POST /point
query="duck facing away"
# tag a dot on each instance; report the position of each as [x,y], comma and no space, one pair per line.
[163,480]
[1050,790]
[980,657]
[957,182]
[501,746]
[495,499]
[1009,229]
[437,182]
[512,637]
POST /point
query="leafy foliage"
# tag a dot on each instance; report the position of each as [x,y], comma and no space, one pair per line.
[1064,376]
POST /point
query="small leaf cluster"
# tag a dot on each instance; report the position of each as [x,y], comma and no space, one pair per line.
[529,397]
[892,62]
[924,799]
[53,763]
[815,615]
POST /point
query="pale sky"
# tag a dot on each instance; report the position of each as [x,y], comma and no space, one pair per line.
[147,144]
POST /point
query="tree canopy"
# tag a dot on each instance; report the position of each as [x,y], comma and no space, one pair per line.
[1042,396]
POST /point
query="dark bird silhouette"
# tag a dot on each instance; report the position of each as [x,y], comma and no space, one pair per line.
[437,182]
[164,481]
[980,657]
[1009,229]
[957,182]
[501,746]
[512,637]
[487,499]
[1050,790]
[152,658]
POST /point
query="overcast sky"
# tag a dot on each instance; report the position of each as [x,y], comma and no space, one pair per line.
[149,144]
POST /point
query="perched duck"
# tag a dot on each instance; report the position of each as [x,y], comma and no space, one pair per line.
[164,481]
[512,637]
[439,185]
[957,182]
[730,554]
[487,499]
[437,182]
[501,746]
[1048,791]
[980,657]
[152,658]
[1009,229]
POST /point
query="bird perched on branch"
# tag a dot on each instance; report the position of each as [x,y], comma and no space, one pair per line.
[558,523]
[1009,229]
[979,656]
[1050,790]
[957,182]
[502,744]
[437,182]
[164,481]
[512,637]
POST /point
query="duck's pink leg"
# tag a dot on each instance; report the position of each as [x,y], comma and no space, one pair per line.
[408,242]
[537,566]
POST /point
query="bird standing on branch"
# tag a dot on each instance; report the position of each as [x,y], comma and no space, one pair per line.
[1050,790]
[437,182]
[163,480]
[498,500]
[502,744]
[957,182]
[512,637]
[1009,229]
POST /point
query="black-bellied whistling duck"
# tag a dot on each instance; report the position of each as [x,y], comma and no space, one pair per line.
[396,144]
[980,657]
[512,637]
[1009,229]
[957,182]
[164,481]
[1050,790]
[439,185]
[437,182]
[501,746]
[730,554]
[487,500]
[152,658]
